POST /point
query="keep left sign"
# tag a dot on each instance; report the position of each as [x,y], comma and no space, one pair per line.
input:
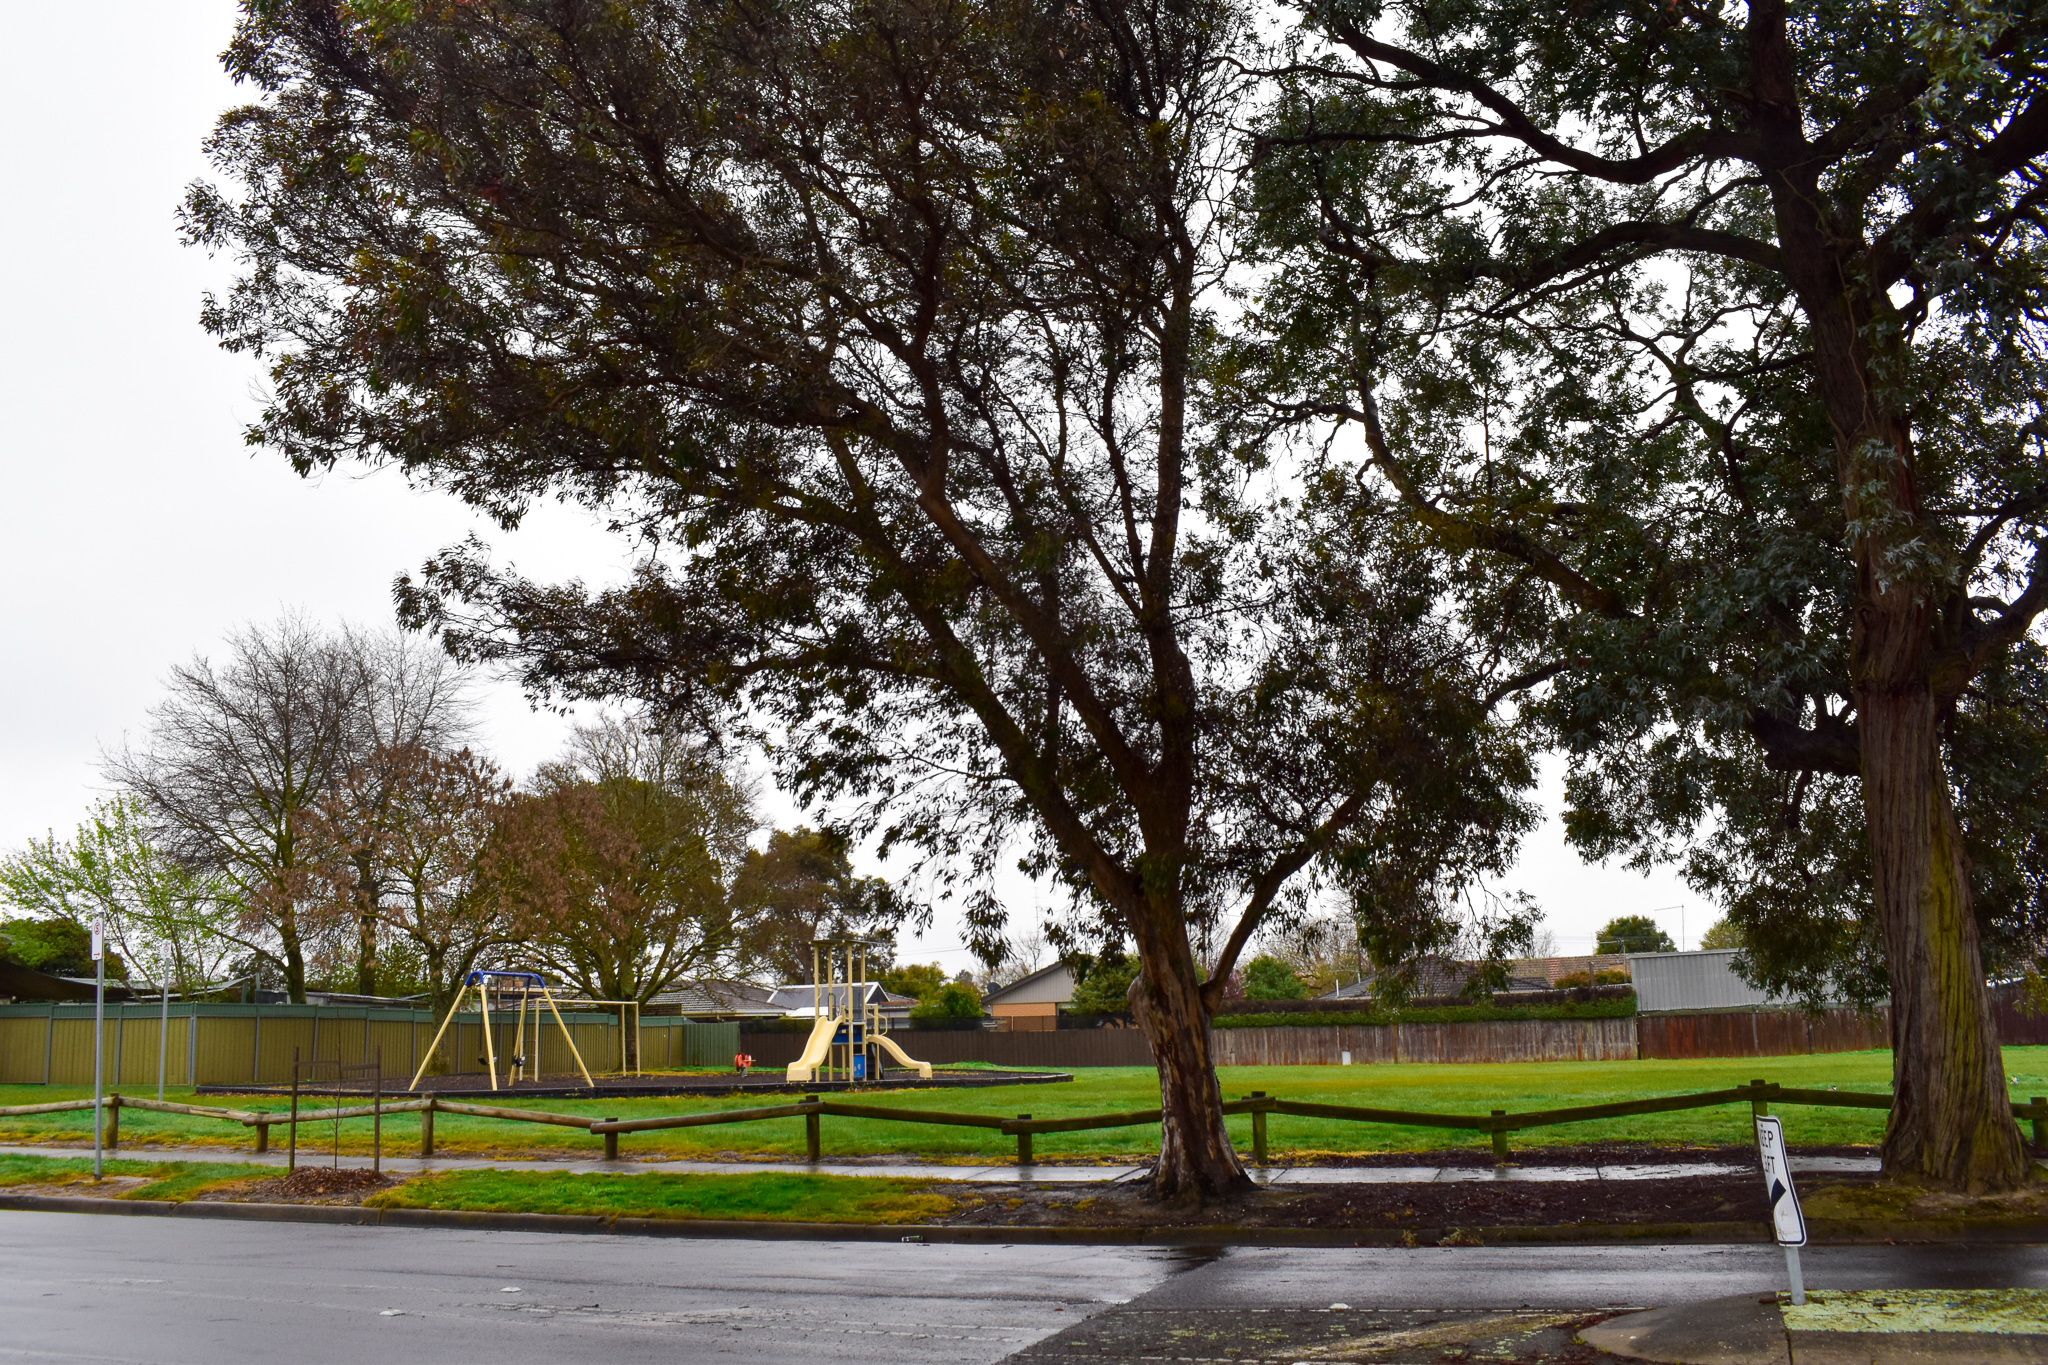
[1786,1219]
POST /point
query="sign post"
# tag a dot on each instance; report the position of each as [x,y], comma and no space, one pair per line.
[163,1024]
[99,1020]
[1786,1219]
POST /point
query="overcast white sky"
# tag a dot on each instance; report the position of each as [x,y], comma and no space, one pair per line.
[136,528]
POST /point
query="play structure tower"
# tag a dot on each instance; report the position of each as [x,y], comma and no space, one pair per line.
[848,1032]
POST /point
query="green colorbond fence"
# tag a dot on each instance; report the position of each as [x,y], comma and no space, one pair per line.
[253,1044]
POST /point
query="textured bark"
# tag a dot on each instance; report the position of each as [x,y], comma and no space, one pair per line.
[1951,1123]
[1197,1164]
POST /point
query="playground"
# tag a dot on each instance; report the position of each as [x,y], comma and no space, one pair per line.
[848,1046]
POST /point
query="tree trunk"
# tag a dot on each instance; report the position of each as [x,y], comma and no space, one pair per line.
[1196,1161]
[369,896]
[294,959]
[1951,1122]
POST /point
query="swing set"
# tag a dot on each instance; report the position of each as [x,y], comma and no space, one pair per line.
[532,988]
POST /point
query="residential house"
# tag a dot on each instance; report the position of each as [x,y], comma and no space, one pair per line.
[1032,1004]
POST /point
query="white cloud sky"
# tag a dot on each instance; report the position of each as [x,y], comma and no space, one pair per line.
[135,526]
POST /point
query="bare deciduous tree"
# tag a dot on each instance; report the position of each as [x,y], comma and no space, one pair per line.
[242,751]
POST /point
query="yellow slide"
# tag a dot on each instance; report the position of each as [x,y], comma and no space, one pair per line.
[815,1049]
[924,1069]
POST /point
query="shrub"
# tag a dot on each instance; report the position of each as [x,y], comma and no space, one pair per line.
[61,947]
[954,1000]
[1107,987]
[1633,934]
[1268,978]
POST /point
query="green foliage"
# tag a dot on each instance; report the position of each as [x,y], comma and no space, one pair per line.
[919,981]
[1722,933]
[802,887]
[1633,934]
[1268,978]
[1107,987]
[62,947]
[157,912]
[874,444]
[1613,976]
[953,1000]
[1716,500]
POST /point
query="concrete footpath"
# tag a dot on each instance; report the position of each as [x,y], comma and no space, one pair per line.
[1837,1327]
[311,1155]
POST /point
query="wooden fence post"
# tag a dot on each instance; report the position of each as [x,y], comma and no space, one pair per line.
[811,1135]
[427,1128]
[611,1140]
[1758,1106]
[1500,1139]
[2039,1104]
[1024,1144]
[112,1138]
[1258,1131]
[262,1137]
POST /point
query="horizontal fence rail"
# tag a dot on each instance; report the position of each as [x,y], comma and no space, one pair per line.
[1499,1123]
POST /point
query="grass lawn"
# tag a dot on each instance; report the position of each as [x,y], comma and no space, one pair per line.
[175,1180]
[770,1195]
[1468,1088]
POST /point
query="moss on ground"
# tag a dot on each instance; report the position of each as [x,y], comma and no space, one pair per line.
[1883,1201]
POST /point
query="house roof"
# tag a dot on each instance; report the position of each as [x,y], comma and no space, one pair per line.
[1444,976]
[1036,978]
[718,997]
[26,983]
[802,998]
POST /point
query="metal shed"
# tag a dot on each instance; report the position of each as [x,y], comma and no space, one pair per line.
[1702,980]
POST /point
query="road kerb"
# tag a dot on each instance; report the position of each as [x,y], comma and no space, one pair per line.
[1719,1234]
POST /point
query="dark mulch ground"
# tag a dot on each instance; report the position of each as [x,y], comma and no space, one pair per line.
[308,1185]
[1387,1208]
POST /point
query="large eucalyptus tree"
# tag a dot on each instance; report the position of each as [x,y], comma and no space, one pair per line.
[888,331]
[1718,328]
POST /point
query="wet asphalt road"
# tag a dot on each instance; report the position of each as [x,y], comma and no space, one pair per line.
[108,1288]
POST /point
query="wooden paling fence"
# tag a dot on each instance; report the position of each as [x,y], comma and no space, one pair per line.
[1758,1094]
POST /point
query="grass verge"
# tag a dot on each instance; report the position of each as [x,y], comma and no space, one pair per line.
[772,1197]
[173,1180]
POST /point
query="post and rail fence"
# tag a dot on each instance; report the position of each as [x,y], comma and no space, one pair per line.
[1499,1124]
